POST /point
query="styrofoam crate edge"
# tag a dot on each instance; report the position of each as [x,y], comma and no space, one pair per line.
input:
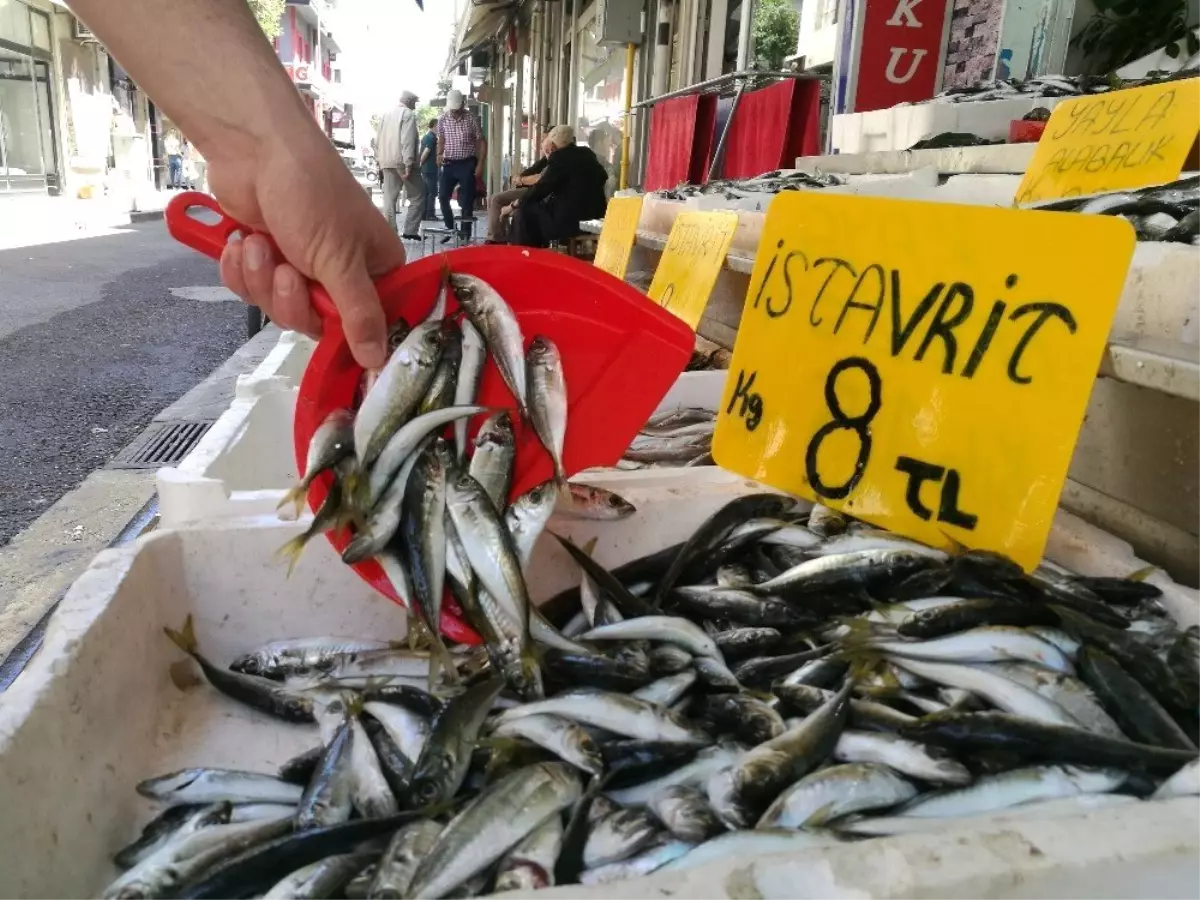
[283,366]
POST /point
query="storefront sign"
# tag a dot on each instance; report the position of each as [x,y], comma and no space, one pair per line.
[1124,139]
[901,54]
[617,234]
[923,366]
[695,251]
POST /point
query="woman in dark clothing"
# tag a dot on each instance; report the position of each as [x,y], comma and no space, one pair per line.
[570,190]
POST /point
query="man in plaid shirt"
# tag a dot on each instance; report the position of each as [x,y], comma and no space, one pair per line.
[461,150]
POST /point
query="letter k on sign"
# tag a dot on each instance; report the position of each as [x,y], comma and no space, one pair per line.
[904,14]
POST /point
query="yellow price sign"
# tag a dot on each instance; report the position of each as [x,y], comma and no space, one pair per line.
[691,261]
[923,366]
[1106,142]
[618,234]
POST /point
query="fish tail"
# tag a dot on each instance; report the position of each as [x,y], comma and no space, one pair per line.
[292,549]
[295,496]
[185,637]
[1143,573]
[439,653]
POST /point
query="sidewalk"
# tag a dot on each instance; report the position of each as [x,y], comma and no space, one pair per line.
[26,220]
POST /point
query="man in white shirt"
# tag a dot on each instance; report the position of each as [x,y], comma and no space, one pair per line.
[396,152]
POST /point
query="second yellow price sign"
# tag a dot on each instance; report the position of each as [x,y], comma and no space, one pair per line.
[691,261]
[922,366]
[617,234]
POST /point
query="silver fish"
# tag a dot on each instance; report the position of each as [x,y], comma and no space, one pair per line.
[618,836]
[561,736]
[171,825]
[668,690]
[202,785]
[279,658]
[526,517]
[587,501]
[707,763]
[1065,690]
[992,643]
[324,878]
[326,799]
[1002,692]
[404,443]
[1184,783]
[618,713]
[529,866]
[746,844]
[670,629]
[384,519]
[501,331]
[408,729]
[905,756]
[644,863]
[403,856]
[836,791]
[492,462]
[160,874]
[400,386]
[370,794]
[844,570]
[503,815]
[740,794]
[332,442]
[684,811]
[470,373]
[1016,786]
[547,399]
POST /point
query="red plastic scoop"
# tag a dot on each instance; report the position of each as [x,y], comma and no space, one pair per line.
[621,353]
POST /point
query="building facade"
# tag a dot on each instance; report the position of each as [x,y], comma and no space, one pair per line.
[308,50]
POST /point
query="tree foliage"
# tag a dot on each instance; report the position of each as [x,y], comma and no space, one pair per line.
[775,29]
[268,13]
[425,112]
[1125,30]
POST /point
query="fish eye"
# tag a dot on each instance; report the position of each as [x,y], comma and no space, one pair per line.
[427,792]
[614,500]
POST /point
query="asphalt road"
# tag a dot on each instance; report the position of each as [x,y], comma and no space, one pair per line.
[93,345]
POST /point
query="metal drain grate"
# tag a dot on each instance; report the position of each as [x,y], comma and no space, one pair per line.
[161,444]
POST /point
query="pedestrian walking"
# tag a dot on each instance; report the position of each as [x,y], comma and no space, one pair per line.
[461,150]
[429,168]
[174,148]
[396,151]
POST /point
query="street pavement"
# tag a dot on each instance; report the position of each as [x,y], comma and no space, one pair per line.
[97,335]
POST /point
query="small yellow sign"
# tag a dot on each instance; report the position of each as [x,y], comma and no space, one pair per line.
[617,234]
[695,251]
[1106,142]
[923,366]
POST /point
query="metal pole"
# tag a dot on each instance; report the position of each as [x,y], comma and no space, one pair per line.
[629,51]
[569,116]
[519,104]
[714,167]
[743,57]
[559,62]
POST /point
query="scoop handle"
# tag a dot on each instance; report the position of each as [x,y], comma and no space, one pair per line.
[210,237]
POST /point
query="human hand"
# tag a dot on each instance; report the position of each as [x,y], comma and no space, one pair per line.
[507,211]
[294,187]
[479,170]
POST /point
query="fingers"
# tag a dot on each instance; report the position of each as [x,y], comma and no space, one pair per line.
[291,302]
[248,268]
[363,323]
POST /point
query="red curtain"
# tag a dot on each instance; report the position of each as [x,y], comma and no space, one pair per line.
[681,141]
[772,127]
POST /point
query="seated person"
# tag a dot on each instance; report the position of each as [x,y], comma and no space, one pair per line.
[500,203]
[570,189]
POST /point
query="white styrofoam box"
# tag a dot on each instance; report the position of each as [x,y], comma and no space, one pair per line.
[97,710]
[900,127]
[242,466]
[982,190]
[282,368]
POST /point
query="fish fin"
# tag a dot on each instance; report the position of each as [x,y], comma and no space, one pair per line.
[952,546]
[819,817]
[292,549]
[185,637]
[1143,573]
[440,659]
[295,496]
[590,545]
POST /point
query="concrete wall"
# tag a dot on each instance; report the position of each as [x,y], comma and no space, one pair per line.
[816,42]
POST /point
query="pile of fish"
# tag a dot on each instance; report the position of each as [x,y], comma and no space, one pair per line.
[784,679]
[430,515]
[768,183]
[1166,212]
[676,437]
[708,360]
[1049,86]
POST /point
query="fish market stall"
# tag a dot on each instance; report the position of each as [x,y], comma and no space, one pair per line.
[110,703]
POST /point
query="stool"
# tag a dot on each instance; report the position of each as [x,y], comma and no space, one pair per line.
[463,235]
[582,246]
